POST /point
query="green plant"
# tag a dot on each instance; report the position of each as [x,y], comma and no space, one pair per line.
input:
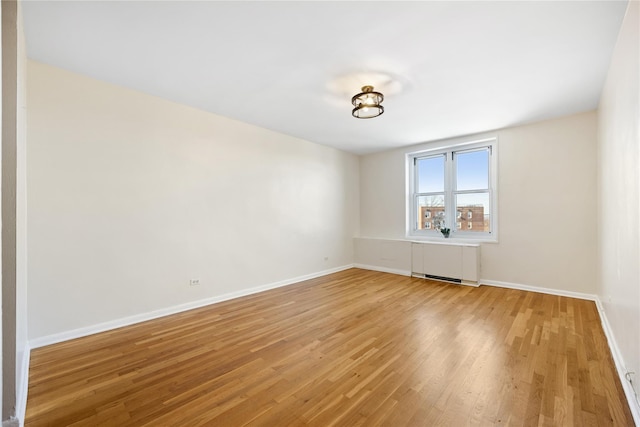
[445,231]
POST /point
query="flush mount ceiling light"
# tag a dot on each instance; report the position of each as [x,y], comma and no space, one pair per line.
[367,103]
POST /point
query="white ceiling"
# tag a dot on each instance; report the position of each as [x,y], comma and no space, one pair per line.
[446,68]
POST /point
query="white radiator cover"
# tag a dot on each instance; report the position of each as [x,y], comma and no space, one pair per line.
[448,261]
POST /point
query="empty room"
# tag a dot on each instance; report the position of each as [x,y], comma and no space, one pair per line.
[320,213]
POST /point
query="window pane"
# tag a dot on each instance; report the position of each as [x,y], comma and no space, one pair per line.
[430,212]
[430,174]
[472,170]
[473,212]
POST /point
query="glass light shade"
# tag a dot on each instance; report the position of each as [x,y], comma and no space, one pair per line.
[367,103]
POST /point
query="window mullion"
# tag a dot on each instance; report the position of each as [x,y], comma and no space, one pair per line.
[449,189]
[414,214]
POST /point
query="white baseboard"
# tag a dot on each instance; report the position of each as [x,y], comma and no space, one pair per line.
[619,362]
[383,269]
[472,284]
[130,320]
[550,291]
[23,389]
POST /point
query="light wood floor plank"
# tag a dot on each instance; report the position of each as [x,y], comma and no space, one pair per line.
[355,348]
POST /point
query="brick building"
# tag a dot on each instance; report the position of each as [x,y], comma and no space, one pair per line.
[468,218]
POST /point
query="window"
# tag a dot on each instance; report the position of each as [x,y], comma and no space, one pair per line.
[428,226]
[457,186]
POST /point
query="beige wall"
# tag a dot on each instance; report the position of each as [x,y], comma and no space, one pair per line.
[130,196]
[619,193]
[546,198]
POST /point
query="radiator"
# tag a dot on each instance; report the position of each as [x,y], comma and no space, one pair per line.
[457,263]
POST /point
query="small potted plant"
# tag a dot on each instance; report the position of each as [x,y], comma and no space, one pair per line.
[441,226]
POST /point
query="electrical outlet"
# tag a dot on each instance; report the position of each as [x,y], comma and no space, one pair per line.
[194,282]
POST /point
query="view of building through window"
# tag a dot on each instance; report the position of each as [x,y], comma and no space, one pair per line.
[469,218]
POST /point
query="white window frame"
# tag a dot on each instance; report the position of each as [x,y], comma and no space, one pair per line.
[449,182]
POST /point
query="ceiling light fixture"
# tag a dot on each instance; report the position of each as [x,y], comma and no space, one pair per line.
[367,103]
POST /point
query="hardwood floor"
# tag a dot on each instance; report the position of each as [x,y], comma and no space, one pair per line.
[356,348]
